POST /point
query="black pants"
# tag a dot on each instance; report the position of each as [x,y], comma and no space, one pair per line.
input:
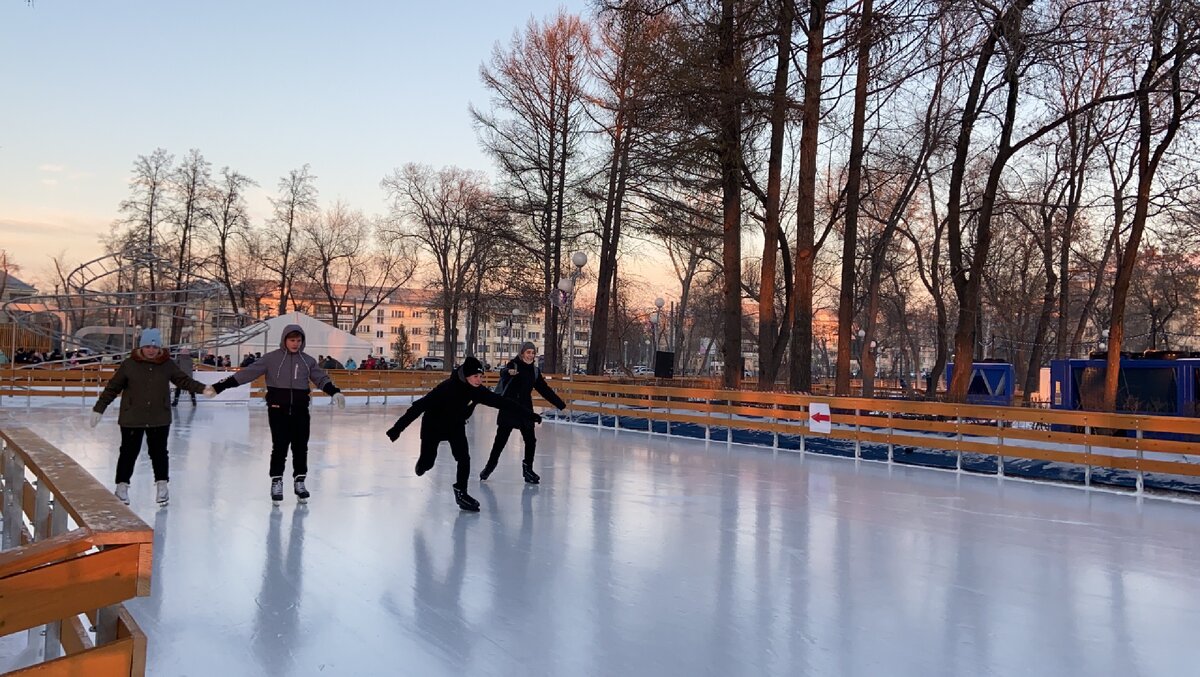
[289,427]
[178,390]
[502,434]
[131,446]
[458,447]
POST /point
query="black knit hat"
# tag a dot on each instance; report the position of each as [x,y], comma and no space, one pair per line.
[470,367]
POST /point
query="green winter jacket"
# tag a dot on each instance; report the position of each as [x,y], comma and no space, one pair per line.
[145,389]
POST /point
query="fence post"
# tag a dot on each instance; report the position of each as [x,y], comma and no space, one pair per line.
[1140,477]
[857,434]
[14,489]
[891,432]
[41,511]
[668,415]
[804,431]
[1087,453]
[1000,447]
[958,436]
[775,425]
[56,525]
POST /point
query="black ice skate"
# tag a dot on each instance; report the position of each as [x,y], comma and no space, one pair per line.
[161,494]
[277,490]
[530,476]
[465,501]
[301,490]
[487,471]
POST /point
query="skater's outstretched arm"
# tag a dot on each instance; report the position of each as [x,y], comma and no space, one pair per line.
[116,384]
[414,412]
[182,380]
[548,393]
[486,397]
[320,378]
[243,376]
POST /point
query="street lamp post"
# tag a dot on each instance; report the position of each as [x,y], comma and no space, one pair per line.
[567,286]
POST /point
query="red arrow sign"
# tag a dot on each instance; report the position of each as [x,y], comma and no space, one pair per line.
[820,418]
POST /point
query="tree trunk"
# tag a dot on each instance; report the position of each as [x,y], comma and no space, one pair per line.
[853,187]
[730,148]
[767,322]
[800,373]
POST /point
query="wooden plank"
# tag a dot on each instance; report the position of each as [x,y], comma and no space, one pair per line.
[113,658]
[87,582]
[46,551]
[74,637]
[128,627]
[1170,467]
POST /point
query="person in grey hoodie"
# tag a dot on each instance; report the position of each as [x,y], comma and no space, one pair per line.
[289,371]
[144,383]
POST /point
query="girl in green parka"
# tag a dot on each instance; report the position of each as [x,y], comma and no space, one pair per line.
[144,383]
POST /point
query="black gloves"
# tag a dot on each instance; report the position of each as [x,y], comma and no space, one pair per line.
[225,384]
[537,418]
[393,433]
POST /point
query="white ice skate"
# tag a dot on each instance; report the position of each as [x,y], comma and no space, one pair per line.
[161,494]
[122,492]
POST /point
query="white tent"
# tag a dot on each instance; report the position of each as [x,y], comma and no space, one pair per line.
[319,339]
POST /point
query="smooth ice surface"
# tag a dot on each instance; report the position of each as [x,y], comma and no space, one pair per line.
[637,555]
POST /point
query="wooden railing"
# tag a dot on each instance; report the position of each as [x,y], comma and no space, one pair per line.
[1136,443]
[70,549]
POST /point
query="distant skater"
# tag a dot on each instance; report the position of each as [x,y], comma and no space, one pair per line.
[446,409]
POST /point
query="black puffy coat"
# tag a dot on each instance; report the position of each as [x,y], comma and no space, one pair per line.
[447,407]
[144,385]
[520,388]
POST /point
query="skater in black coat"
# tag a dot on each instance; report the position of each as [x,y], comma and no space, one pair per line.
[519,378]
[446,409]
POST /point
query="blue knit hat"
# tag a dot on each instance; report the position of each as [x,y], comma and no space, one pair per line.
[150,337]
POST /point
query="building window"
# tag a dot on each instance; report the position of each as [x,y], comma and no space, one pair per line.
[398,314]
[416,331]
[533,335]
[416,347]
[416,314]
[379,334]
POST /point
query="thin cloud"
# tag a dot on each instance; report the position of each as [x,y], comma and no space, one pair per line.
[49,182]
[51,168]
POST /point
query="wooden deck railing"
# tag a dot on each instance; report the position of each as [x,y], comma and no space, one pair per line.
[70,549]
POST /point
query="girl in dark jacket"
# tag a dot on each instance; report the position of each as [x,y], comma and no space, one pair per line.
[289,370]
[518,380]
[446,409]
[144,383]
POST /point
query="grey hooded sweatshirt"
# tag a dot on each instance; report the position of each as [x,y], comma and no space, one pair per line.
[288,374]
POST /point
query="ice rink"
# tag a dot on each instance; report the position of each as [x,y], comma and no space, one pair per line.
[637,555]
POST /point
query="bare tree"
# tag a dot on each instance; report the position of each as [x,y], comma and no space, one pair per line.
[442,210]
[146,208]
[1168,36]
[533,130]
[296,201]
[228,227]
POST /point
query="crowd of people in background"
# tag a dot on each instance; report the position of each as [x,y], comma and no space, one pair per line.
[84,356]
